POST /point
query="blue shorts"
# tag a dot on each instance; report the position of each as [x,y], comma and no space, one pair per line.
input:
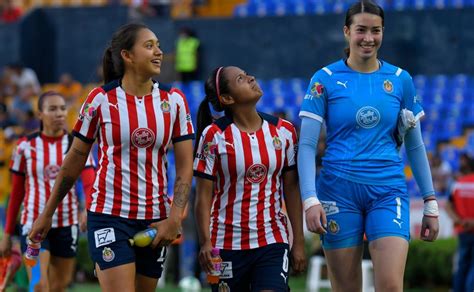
[353,209]
[263,268]
[109,246]
[60,242]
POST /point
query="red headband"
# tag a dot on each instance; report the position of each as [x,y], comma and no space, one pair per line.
[217,84]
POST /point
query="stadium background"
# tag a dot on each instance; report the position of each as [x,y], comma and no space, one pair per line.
[282,43]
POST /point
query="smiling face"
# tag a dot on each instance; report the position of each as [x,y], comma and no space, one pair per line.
[53,113]
[145,57]
[364,36]
[243,88]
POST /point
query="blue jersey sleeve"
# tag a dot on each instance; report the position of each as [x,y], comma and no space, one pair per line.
[315,101]
[410,99]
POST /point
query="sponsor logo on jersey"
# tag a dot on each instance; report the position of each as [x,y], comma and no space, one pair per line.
[165,107]
[277,143]
[108,254]
[317,89]
[388,86]
[51,171]
[208,149]
[88,111]
[143,137]
[333,226]
[368,117]
[256,173]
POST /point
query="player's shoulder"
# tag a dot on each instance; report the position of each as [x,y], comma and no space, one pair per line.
[389,69]
[277,122]
[329,70]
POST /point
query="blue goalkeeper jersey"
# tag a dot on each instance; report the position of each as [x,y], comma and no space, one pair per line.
[361,111]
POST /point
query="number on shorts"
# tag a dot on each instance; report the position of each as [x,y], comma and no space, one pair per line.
[74,235]
[399,207]
[162,255]
[285,261]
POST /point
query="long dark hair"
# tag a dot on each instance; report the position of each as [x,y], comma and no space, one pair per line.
[366,6]
[204,115]
[123,39]
[42,99]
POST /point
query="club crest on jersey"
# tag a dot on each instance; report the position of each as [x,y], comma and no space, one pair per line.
[256,173]
[143,137]
[165,106]
[88,111]
[333,226]
[277,143]
[317,89]
[51,171]
[368,117]
[388,86]
[108,254]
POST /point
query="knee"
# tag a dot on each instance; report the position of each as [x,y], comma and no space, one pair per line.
[390,286]
[42,286]
[60,285]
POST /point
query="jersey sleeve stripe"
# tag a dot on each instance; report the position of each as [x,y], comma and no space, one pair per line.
[17,172]
[183,138]
[82,137]
[329,72]
[399,71]
[204,175]
[311,115]
[288,168]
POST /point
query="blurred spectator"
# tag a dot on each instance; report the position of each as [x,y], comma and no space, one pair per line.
[5,120]
[161,7]
[9,12]
[22,105]
[23,77]
[460,208]
[441,172]
[139,9]
[187,54]
[69,88]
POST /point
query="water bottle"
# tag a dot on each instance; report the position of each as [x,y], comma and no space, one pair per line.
[216,260]
[32,252]
[143,238]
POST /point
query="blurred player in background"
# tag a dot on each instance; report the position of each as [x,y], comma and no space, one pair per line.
[460,208]
[243,164]
[35,165]
[369,108]
[135,119]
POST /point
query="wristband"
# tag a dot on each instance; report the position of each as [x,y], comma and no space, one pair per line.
[431,208]
[310,202]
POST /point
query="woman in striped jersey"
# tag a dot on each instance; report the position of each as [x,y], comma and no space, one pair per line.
[244,162]
[34,166]
[134,119]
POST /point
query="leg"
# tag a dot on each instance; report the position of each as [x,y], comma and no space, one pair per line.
[118,278]
[344,265]
[61,271]
[43,284]
[389,255]
[63,246]
[270,268]
[145,284]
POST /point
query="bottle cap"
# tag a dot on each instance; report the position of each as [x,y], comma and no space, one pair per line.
[215,251]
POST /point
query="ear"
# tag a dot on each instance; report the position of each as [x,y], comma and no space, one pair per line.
[347,33]
[126,56]
[227,99]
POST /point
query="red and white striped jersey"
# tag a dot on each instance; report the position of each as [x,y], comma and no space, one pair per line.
[134,134]
[39,158]
[247,168]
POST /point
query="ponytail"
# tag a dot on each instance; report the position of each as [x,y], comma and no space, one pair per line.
[108,68]
[204,119]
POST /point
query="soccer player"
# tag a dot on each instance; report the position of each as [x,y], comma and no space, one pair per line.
[369,106]
[35,165]
[244,163]
[134,119]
